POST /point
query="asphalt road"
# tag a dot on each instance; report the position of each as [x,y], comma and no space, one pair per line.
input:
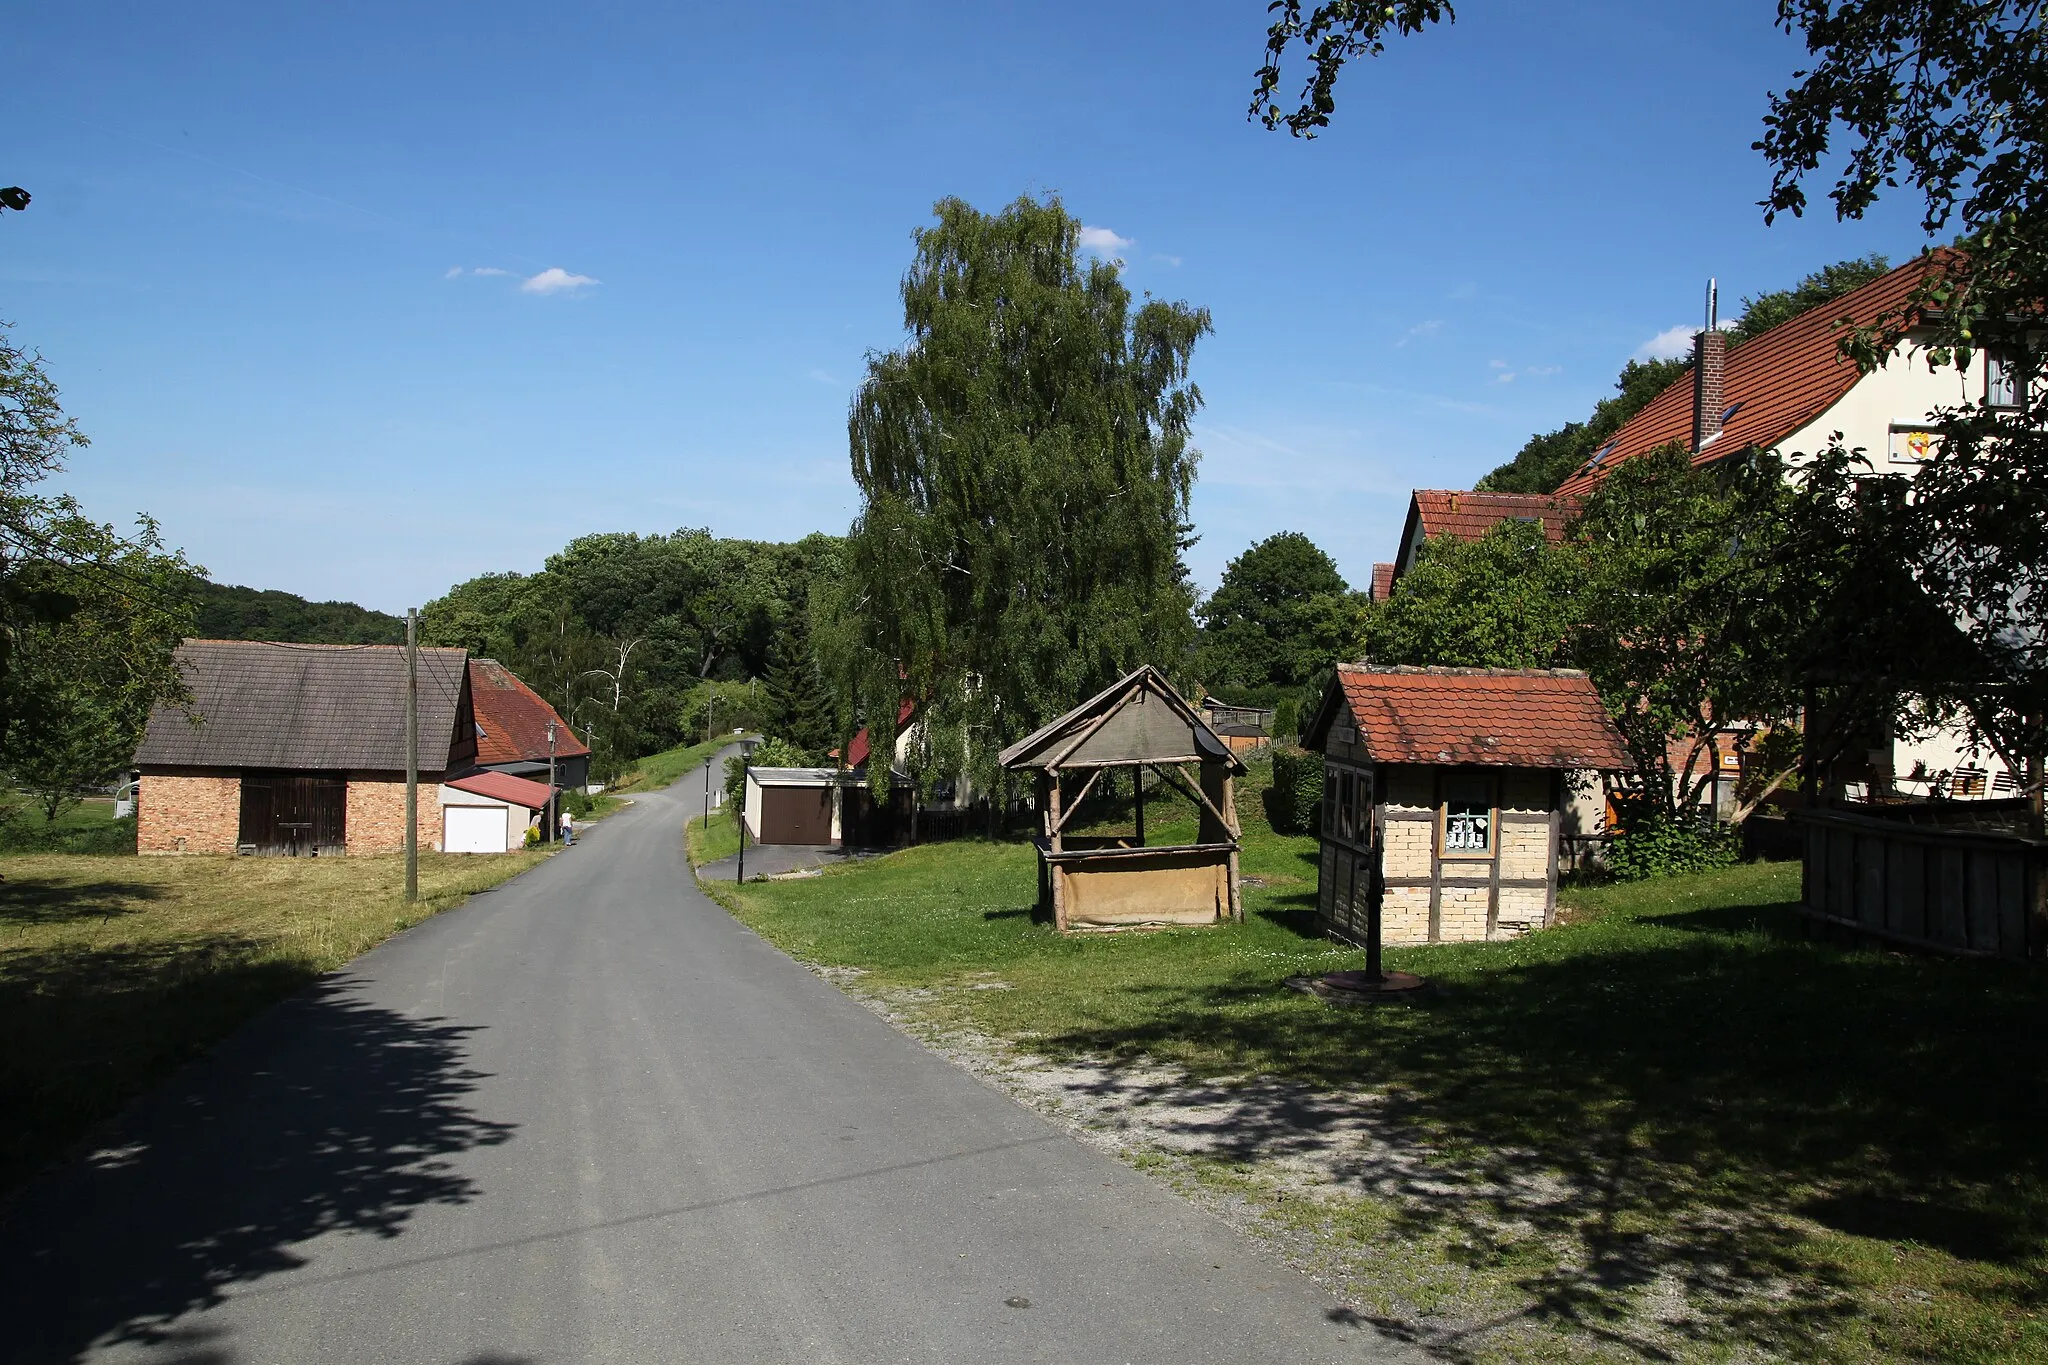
[588,1117]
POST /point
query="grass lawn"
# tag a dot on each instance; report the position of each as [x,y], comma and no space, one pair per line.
[1669,1128]
[87,826]
[115,970]
[719,839]
[659,770]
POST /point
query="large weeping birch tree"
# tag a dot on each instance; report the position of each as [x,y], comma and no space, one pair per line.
[1024,467]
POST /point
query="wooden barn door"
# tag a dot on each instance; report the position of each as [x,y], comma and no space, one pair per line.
[294,814]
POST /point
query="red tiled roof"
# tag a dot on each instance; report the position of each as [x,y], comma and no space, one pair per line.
[514,719]
[857,750]
[1382,581]
[1469,516]
[1783,379]
[504,787]
[1496,717]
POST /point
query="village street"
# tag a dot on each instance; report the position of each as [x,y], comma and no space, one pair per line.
[589,1117]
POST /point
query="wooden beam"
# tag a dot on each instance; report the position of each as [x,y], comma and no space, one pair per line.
[1095,725]
[1075,809]
[1194,789]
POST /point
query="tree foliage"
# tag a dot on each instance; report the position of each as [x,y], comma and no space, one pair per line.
[1547,460]
[1765,311]
[619,631]
[1281,613]
[1024,468]
[227,612]
[1505,600]
[90,620]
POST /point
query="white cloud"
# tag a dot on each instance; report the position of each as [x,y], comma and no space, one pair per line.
[1169,260]
[824,378]
[1496,364]
[1421,329]
[555,280]
[1542,370]
[1504,377]
[489,270]
[1101,239]
[1669,344]
[453,272]
[456,271]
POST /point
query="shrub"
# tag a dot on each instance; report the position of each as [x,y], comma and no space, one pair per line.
[32,835]
[1653,844]
[1295,799]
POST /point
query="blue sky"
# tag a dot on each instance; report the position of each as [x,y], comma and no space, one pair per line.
[253,259]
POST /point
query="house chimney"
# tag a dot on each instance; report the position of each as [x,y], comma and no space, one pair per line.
[1709,360]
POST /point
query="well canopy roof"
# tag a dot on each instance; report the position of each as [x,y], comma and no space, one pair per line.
[1142,720]
[265,705]
[1490,717]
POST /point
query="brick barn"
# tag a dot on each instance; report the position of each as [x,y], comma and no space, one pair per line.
[1454,783]
[300,749]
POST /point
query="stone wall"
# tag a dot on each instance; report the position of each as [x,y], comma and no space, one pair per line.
[188,812]
[376,813]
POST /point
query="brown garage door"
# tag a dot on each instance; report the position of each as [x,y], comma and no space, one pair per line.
[796,815]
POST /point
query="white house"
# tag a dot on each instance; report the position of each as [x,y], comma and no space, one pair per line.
[1789,391]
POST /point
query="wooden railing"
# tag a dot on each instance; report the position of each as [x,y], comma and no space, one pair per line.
[1965,892]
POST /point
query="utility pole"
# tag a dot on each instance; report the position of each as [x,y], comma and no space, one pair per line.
[412,754]
[554,816]
[745,755]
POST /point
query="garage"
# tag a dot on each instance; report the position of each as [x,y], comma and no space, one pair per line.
[490,812]
[473,829]
[793,806]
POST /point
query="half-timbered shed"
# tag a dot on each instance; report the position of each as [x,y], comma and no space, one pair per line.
[299,749]
[1137,725]
[1451,783]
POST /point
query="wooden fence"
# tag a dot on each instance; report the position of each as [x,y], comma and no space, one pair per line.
[1965,892]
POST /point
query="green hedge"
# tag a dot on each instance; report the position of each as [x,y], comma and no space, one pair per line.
[1294,801]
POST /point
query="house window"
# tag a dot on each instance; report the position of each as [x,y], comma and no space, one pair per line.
[1468,816]
[1346,805]
[1332,776]
[2001,382]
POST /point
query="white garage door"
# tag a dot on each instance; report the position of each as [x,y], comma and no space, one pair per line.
[473,829]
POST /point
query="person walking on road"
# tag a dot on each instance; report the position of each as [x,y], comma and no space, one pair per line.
[568,829]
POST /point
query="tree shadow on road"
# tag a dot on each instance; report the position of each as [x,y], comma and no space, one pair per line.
[326,1113]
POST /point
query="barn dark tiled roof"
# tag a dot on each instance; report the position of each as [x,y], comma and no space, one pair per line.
[264,705]
[1496,717]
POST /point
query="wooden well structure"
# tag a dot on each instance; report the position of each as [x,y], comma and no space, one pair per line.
[1138,724]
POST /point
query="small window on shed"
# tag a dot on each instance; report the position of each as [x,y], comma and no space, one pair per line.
[1345,806]
[1468,816]
[1331,776]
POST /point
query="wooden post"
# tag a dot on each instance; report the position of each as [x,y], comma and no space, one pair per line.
[412,755]
[1052,871]
[1138,780]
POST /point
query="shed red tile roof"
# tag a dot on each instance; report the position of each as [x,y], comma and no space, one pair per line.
[1382,581]
[504,787]
[1781,381]
[514,719]
[1494,717]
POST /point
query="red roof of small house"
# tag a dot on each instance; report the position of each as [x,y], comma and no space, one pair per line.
[1382,581]
[1436,512]
[514,719]
[1469,516]
[1492,717]
[1771,385]
[857,749]
[504,787]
